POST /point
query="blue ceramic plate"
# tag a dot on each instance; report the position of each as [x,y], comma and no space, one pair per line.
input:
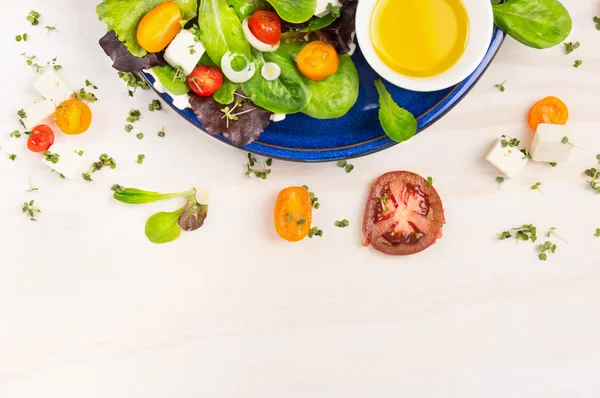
[304,139]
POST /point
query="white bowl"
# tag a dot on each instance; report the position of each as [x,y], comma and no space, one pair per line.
[481,20]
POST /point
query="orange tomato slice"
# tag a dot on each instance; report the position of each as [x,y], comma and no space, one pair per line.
[293,214]
[318,60]
[159,27]
[73,117]
[549,110]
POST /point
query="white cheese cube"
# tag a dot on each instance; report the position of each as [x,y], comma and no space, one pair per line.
[321,10]
[509,160]
[37,113]
[69,162]
[184,51]
[53,87]
[548,143]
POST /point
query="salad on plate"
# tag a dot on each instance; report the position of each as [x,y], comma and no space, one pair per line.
[240,64]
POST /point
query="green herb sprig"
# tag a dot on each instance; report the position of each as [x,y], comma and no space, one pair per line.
[31,210]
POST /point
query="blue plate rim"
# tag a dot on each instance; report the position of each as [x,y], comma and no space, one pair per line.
[435,113]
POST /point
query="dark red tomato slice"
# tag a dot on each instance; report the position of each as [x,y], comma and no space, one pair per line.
[41,139]
[205,80]
[404,215]
[265,26]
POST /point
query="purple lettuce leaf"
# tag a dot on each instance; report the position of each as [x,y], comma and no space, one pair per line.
[125,61]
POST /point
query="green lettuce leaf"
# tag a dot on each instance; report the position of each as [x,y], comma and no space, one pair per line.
[124,16]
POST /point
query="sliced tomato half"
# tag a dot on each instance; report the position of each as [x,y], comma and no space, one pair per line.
[404,215]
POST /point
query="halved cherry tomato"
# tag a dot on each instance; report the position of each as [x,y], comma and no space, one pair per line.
[159,27]
[318,60]
[205,80]
[41,138]
[73,117]
[265,26]
[293,214]
[404,214]
[549,110]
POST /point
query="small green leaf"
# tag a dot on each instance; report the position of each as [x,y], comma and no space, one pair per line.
[163,227]
[398,123]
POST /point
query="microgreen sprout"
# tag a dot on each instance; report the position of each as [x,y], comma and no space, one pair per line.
[537,187]
[22,37]
[552,232]
[31,187]
[83,95]
[509,142]
[597,22]
[140,158]
[553,164]
[342,224]
[103,161]
[500,181]
[343,164]
[315,231]
[31,210]
[500,86]
[313,199]
[300,222]
[430,181]
[12,156]
[155,105]
[526,154]
[570,47]
[134,116]
[50,28]
[577,63]
[140,136]
[288,218]
[161,133]
[90,84]
[51,157]
[15,134]
[34,18]
[129,128]
[597,234]
[262,171]
[133,82]
[547,247]
[594,175]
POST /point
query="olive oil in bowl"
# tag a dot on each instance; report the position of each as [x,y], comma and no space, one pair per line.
[420,38]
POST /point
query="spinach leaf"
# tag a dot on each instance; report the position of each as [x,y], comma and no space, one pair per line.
[320,23]
[163,227]
[535,23]
[124,16]
[398,123]
[245,8]
[221,30]
[166,76]
[225,94]
[286,94]
[192,215]
[295,11]
[334,96]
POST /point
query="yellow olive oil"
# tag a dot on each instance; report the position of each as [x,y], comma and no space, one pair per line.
[420,38]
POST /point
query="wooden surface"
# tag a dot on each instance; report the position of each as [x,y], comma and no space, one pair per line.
[89,308]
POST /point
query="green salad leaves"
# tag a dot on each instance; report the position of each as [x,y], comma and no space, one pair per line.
[398,123]
[535,23]
[124,16]
[336,95]
[221,30]
[294,11]
[165,227]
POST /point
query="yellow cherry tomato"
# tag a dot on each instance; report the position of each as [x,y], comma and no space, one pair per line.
[293,214]
[159,27]
[318,60]
[73,117]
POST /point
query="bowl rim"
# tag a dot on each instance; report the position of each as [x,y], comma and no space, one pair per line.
[481,17]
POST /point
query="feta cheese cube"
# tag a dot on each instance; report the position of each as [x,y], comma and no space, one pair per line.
[548,143]
[53,87]
[321,10]
[69,162]
[509,160]
[37,113]
[184,51]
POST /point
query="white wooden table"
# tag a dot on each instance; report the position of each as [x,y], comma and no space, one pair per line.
[89,308]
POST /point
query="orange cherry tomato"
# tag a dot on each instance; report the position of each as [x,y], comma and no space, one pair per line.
[73,117]
[549,110]
[159,27]
[318,60]
[293,214]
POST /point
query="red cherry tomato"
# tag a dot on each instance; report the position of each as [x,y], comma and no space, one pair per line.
[404,214]
[205,80]
[41,139]
[265,26]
